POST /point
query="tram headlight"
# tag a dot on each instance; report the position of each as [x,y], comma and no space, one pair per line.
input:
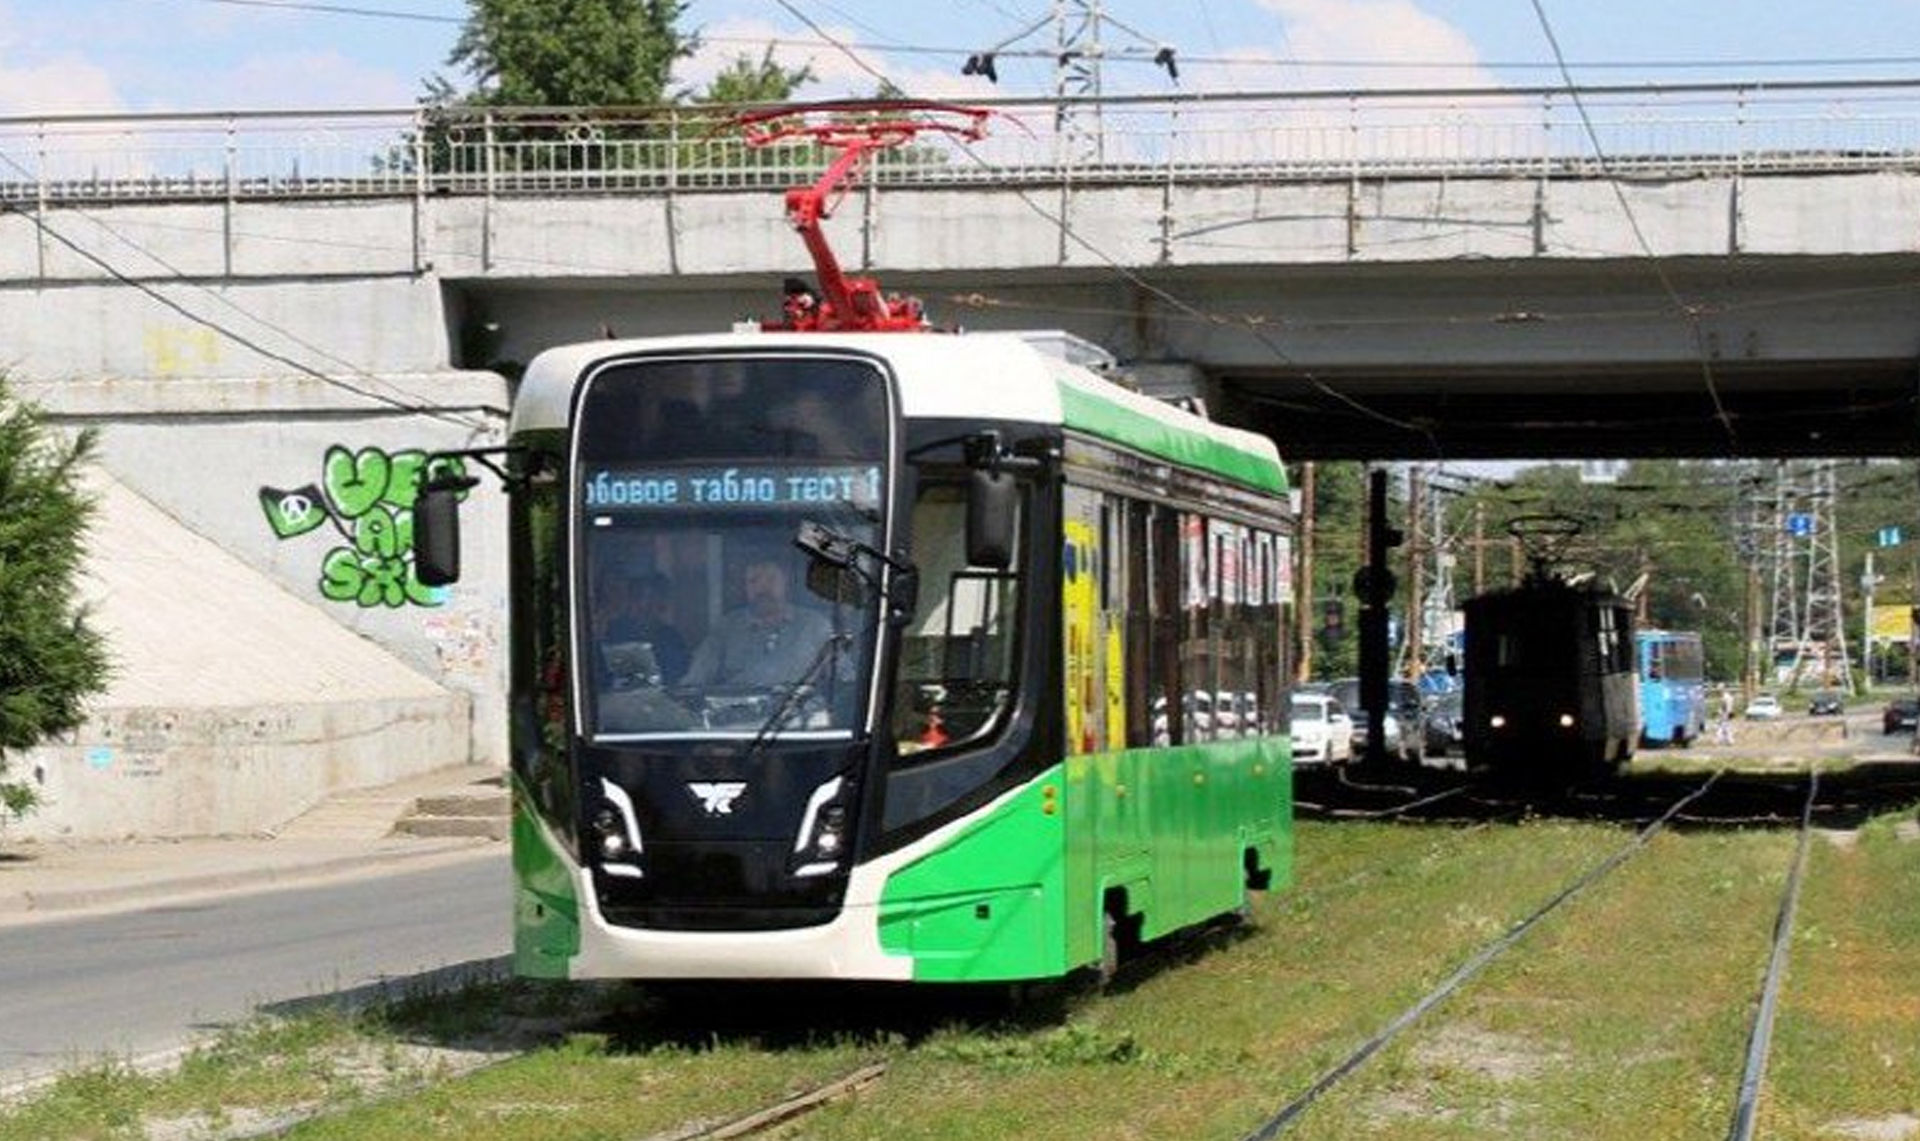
[1498,721]
[821,842]
[616,832]
[613,842]
[1566,720]
[832,834]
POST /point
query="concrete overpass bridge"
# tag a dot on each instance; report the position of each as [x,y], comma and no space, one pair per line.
[254,304]
[1687,270]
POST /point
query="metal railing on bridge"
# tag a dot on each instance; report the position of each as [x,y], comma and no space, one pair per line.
[1198,138]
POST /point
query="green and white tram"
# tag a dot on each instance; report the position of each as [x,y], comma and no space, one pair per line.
[880,656]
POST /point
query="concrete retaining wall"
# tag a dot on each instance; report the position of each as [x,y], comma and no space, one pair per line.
[235,702]
[215,463]
[172,771]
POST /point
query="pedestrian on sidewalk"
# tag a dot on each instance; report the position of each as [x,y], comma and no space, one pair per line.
[1723,724]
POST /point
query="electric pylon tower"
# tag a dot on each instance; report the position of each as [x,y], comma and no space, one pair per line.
[1079,50]
[1438,616]
[1785,628]
[1077,76]
[1806,631]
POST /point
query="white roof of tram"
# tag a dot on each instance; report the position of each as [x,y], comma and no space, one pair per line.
[1000,376]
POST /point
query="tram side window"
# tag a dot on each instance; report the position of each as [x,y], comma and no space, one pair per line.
[1166,586]
[1198,663]
[1231,678]
[540,658]
[1139,608]
[956,677]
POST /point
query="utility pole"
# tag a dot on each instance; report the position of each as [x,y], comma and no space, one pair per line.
[1479,549]
[1437,584]
[1306,608]
[1867,583]
[1414,645]
[1373,582]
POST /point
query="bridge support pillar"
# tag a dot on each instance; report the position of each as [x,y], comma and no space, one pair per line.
[1176,381]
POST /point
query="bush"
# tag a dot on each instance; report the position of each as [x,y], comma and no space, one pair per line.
[51,660]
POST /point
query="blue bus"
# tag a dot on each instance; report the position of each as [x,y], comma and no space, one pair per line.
[1673,696]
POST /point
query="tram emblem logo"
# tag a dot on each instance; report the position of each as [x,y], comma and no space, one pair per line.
[717,797]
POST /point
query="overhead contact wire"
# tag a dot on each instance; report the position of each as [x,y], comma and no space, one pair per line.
[1689,313]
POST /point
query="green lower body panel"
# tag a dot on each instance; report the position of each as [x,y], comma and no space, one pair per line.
[546,912]
[987,905]
[1170,837]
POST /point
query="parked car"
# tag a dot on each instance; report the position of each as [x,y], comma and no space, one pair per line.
[1446,722]
[1763,707]
[1827,703]
[1322,731]
[1404,726]
[1902,715]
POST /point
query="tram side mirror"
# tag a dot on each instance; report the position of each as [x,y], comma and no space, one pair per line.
[436,529]
[991,501]
[903,596]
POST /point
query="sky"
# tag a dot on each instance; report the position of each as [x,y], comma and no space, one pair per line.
[91,56]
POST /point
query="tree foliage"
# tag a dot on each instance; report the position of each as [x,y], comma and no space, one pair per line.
[750,80]
[568,53]
[1672,532]
[51,660]
[1339,525]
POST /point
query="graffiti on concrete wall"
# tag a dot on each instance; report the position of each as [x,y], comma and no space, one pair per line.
[367,495]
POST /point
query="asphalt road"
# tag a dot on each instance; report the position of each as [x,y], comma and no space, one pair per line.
[141,982]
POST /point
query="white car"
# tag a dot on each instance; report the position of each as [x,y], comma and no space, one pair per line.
[1763,707]
[1322,731]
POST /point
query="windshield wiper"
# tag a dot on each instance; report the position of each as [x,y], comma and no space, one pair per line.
[827,654]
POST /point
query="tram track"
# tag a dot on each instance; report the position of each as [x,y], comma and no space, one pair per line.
[783,1112]
[756,1122]
[1760,1037]
[1485,1008]
[1413,797]
[1293,1110]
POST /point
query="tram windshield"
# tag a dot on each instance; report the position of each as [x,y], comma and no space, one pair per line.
[700,616]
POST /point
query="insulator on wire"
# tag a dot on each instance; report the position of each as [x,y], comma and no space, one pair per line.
[981,63]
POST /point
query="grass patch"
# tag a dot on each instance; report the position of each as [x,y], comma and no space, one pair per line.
[1847,1041]
[1623,1016]
[1225,1027]
[274,1070]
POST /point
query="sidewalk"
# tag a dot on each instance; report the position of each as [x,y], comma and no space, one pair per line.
[351,833]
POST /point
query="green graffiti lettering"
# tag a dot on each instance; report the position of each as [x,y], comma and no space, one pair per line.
[375,534]
[385,584]
[356,480]
[369,494]
[421,594]
[449,465]
[340,575]
[406,470]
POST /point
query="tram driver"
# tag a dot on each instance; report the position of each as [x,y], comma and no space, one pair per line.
[766,642]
